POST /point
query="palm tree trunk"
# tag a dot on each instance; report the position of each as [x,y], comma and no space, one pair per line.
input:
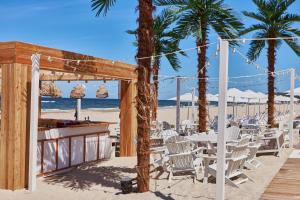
[202,112]
[145,48]
[155,70]
[271,86]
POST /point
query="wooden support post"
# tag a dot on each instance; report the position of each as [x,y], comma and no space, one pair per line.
[128,118]
[14,135]
[221,148]
[34,116]
[291,116]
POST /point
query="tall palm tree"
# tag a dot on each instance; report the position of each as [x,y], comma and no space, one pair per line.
[273,21]
[165,41]
[196,18]
[145,50]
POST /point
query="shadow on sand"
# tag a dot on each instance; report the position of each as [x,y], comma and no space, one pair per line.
[84,177]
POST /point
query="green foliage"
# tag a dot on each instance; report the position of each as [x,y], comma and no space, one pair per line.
[196,17]
[273,21]
[102,6]
[166,40]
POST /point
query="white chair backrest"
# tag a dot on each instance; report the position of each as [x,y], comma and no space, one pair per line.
[232,133]
[168,133]
[179,147]
[181,162]
[237,159]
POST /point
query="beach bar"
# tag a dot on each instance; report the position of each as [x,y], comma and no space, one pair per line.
[23,67]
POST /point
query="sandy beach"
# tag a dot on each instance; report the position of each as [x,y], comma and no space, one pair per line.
[100,181]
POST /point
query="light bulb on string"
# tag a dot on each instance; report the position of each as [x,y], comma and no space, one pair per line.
[257,67]
[207,63]
[234,50]
[199,49]
[49,59]
[244,41]
[78,62]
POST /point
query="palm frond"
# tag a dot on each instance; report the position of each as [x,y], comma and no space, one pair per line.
[102,6]
[255,27]
[291,43]
[170,2]
[254,15]
[256,47]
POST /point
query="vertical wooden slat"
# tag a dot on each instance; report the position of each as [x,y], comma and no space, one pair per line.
[128,120]
[56,154]
[14,132]
[42,157]
[84,147]
[70,151]
[98,145]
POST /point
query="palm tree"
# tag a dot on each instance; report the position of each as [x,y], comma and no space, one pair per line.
[196,18]
[165,41]
[274,21]
[145,50]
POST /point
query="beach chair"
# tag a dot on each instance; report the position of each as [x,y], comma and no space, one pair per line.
[234,174]
[232,134]
[166,134]
[184,164]
[251,161]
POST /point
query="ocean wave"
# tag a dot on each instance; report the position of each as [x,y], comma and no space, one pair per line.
[48,101]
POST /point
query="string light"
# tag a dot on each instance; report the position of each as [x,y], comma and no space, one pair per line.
[78,62]
[199,50]
[49,59]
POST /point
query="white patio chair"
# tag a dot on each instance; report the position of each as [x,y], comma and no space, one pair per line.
[234,166]
[166,134]
[232,133]
[183,164]
[251,161]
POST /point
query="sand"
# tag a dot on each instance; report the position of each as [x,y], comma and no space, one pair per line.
[100,180]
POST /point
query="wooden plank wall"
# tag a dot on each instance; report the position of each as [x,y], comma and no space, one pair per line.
[14,136]
[128,119]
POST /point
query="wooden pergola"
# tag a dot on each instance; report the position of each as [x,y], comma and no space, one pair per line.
[55,64]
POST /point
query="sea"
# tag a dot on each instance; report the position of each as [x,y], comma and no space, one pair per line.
[93,103]
[89,103]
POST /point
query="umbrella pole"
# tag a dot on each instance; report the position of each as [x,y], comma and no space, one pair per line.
[178,104]
[78,109]
[193,105]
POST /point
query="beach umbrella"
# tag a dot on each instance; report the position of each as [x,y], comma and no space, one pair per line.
[102,92]
[187,97]
[49,89]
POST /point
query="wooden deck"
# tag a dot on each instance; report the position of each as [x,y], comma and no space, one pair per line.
[286,184]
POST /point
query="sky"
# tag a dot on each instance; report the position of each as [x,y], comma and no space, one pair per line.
[72,25]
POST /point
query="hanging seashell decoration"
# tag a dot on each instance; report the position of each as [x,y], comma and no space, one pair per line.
[49,89]
[78,92]
[102,92]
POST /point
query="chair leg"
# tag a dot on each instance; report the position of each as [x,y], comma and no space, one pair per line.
[230,182]
[170,176]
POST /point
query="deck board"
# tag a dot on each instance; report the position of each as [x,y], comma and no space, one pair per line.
[286,183]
